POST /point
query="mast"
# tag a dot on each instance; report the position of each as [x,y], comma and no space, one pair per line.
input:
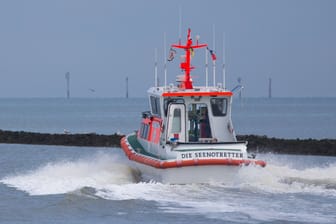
[186,83]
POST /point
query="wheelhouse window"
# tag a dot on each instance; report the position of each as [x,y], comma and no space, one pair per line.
[199,124]
[168,101]
[144,130]
[155,105]
[219,106]
[176,127]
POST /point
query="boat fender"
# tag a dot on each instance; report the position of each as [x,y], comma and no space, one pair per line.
[229,127]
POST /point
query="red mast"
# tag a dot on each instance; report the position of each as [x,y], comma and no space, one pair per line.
[188,47]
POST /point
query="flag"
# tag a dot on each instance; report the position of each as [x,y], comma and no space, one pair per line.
[212,53]
[171,55]
[192,52]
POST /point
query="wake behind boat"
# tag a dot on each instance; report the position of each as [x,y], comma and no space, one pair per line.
[187,136]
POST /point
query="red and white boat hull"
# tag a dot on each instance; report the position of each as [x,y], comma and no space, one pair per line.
[188,170]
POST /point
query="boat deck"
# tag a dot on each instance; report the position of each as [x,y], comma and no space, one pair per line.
[132,140]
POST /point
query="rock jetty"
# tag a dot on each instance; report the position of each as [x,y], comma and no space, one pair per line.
[264,144]
[90,139]
[258,144]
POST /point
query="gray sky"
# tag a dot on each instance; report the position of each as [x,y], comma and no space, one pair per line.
[100,42]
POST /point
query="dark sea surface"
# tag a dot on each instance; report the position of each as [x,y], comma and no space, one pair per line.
[58,184]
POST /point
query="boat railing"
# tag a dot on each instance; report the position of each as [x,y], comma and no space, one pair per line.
[206,143]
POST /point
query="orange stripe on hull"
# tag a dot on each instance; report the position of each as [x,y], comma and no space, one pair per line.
[162,164]
[177,94]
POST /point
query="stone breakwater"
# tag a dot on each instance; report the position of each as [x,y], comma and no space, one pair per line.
[90,139]
[261,144]
[264,144]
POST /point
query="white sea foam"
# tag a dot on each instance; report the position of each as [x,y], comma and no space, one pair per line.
[249,197]
[283,179]
[106,176]
[219,201]
[66,176]
[108,173]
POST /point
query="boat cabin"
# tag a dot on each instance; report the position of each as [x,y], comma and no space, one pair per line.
[192,116]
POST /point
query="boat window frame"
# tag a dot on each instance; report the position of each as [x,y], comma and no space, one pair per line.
[198,118]
[168,101]
[155,105]
[146,131]
[142,127]
[177,120]
[156,130]
[216,111]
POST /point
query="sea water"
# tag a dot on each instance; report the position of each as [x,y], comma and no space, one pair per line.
[276,117]
[58,184]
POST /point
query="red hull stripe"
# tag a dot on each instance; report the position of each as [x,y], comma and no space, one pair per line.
[176,94]
[164,164]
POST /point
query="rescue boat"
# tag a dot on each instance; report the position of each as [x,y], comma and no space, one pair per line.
[187,135]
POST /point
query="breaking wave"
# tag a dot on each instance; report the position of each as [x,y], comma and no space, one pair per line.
[109,177]
[105,172]
[61,177]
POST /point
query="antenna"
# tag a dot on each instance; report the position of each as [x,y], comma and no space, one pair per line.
[126,87]
[67,77]
[155,68]
[180,24]
[214,61]
[206,68]
[223,61]
[165,59]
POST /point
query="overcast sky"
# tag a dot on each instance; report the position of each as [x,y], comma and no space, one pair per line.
[100,42]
